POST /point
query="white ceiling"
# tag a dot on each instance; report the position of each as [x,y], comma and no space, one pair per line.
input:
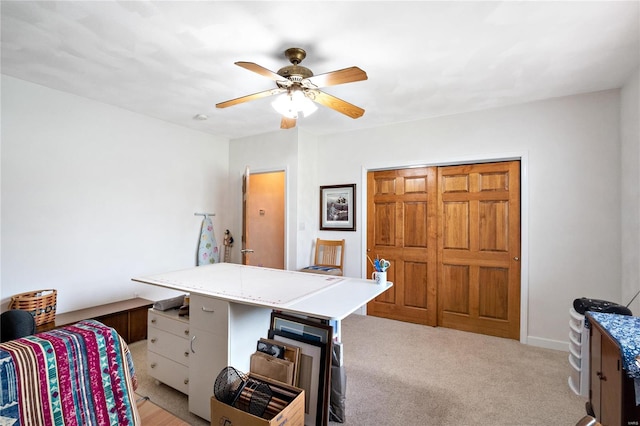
[174,59]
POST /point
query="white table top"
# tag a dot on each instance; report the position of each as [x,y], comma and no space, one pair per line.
[321,296]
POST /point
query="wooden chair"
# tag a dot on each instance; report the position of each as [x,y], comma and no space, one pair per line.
[328,258]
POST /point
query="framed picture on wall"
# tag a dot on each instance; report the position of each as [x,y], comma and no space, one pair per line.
[338,207]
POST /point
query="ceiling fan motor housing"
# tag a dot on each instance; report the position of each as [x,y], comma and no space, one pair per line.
[295,72]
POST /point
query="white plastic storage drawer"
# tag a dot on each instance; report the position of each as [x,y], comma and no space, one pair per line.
[575,361]
[576,352]
[573,386]
[576,320]
[575,371]
[575,338]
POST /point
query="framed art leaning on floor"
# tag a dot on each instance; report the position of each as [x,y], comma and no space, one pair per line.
[315,339]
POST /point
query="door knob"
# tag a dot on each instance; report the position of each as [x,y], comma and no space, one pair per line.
[516,258]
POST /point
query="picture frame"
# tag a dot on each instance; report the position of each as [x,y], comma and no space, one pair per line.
[314,375]
[338,207]
[303,327]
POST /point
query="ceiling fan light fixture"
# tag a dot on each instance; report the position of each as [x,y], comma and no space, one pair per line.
[302,89]
[290,104]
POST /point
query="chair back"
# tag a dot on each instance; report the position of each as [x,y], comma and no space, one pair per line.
[329,253]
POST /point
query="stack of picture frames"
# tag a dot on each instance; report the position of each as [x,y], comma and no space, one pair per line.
[312,371]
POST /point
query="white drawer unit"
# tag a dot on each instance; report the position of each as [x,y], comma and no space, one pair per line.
[168,348]
[187,353]
[578,354]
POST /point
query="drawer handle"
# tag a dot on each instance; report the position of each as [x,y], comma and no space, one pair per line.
[204,309]
[186,381]
[186,332]
[186,353]
[153,321]
[191,344]
[153,340]
[153,365]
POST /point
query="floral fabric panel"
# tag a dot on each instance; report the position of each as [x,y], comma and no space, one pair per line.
[208,247]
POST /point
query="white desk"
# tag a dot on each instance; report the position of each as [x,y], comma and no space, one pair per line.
[231,304]
[321,296]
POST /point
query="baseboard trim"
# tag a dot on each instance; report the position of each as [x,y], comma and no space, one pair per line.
[548,343]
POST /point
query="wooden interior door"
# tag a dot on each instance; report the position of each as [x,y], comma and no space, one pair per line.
[401,223]
[264,220]
[245,250]
[479,248]
[452,235]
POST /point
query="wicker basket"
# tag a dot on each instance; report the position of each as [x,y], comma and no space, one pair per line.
[40,303]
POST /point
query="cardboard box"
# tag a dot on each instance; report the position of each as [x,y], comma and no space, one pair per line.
[292,415]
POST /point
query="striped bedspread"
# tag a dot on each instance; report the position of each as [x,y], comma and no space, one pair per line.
[77,375]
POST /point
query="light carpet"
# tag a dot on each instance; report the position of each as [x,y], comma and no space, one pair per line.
[408,374]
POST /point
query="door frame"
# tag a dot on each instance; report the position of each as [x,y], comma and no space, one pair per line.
[284,169]
[523,157]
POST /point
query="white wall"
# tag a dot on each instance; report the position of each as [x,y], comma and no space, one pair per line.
[572,146]
[571,192]
[630,160]
[268,152]
[94,195]
[308,199]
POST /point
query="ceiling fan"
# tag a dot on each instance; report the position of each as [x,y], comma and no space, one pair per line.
[299,88]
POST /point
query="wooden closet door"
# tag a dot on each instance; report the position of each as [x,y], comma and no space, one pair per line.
[479,248]
[401,224]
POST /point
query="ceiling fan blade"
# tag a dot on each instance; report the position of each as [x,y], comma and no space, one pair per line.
[260,70]
[287,123]
[337,104]
[248,98]
[334,78]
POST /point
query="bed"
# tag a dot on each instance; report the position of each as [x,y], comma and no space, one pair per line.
[81,374]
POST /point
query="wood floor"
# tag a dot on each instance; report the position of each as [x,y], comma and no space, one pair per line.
[153,415]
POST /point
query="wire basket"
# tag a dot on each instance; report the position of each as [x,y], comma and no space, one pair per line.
[229,385]
[41,304]
[235,388]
